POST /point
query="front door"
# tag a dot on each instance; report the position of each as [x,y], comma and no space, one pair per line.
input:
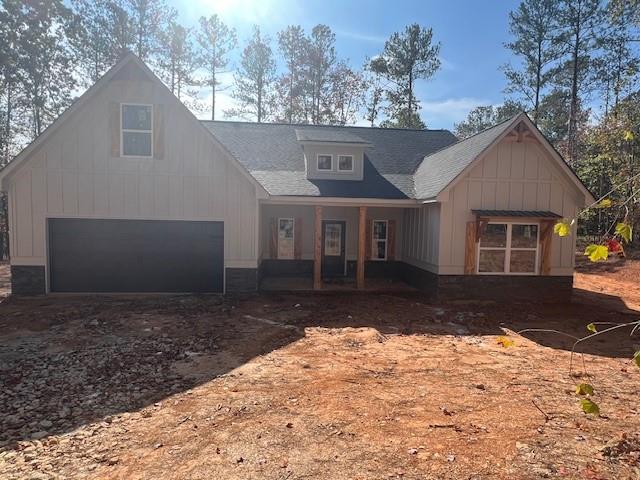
[333,248]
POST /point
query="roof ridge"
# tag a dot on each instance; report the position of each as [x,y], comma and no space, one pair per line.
[363,127]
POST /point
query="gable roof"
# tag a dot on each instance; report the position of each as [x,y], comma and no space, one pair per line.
[440,168]
[127,58]
[274,156]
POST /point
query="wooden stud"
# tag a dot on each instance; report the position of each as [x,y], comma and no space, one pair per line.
[317,253]
[362,228]
[470,249]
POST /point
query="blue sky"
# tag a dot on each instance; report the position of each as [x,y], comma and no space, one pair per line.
[472,34]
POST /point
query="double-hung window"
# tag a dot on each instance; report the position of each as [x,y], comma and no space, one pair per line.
[136,133]
[379,240]
[286,238]
[510,248]
[345,163]
[325,162]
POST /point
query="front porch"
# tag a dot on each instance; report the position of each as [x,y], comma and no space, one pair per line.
[331,247]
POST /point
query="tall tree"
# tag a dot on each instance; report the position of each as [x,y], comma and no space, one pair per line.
[374,95]
[216,40]
[293,46]
[147,18]
[177,60]
[46,61]
[483,117]
[406,58]
[105,32]
[321,59]
[537,42]
[580,21]
[348,89]
[254,79]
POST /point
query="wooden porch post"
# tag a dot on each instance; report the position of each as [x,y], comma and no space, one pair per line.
[317,260]
[362,226]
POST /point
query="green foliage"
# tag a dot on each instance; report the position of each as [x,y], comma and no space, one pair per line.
[597,253]
[604,203]
[584,389]
[483,117]
[589,406]
[562,229]
[624,231]
[592,328]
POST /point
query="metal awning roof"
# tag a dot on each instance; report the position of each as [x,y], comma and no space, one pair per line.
[516,213]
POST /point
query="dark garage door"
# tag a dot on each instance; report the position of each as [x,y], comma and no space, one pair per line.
[87,255]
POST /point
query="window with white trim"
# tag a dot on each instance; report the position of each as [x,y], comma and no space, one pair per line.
[136,130]
[345,163]
[286,238]
[509,248]
[379,239]
[325,162]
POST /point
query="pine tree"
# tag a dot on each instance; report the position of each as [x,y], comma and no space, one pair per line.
[406,58]
[216,40]
[147,19]
[483,117]
[293,46]
[254,79]
[177,61]
[321,60]
[537,42]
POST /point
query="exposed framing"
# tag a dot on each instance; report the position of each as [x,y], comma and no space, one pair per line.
[126,130]
[508,248]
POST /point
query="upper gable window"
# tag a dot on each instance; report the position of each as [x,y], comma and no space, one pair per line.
[325,162]
[345,163]
[136,130]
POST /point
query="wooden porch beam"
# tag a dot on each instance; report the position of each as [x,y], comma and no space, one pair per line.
[317,252]
[362,227]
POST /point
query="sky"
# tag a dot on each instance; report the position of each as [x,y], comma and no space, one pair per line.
[471,33]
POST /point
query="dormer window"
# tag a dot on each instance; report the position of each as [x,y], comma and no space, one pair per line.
[325,162]
[345,163]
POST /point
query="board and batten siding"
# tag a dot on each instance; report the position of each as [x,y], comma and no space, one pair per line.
[73,174]
[510,176]
[420,233]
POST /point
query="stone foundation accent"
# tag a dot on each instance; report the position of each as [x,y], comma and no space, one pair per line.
[28,280]
[241,280]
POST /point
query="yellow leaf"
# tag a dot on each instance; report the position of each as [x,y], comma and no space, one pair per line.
[628,136]
[597,253]
[562,228]
[624,231]
[589,406]
[604,203]
[505,342]
[636,358]
[592,328]
[584,389]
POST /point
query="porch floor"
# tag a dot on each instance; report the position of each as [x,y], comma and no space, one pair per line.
[287,284]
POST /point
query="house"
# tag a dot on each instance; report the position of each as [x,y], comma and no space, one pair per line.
[128,192]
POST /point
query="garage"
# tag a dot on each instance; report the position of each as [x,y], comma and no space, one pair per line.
[99,255]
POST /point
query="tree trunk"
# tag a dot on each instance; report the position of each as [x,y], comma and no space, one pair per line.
[7,125]
[573,110]
[536,105]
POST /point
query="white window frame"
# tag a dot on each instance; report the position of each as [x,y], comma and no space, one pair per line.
[344,170]
[127,130]
[508,248]
[293,239]
[374,241]
[318,162]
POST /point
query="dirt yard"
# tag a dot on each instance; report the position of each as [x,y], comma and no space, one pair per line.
[317,387]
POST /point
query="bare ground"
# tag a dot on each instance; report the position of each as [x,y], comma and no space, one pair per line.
[316,386]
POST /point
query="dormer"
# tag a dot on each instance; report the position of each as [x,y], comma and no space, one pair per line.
[331,154]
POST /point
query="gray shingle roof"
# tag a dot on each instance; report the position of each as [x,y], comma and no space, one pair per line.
[274,156]
[311,134]
[440,168]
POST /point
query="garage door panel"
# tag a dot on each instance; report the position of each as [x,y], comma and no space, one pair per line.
[91,255]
